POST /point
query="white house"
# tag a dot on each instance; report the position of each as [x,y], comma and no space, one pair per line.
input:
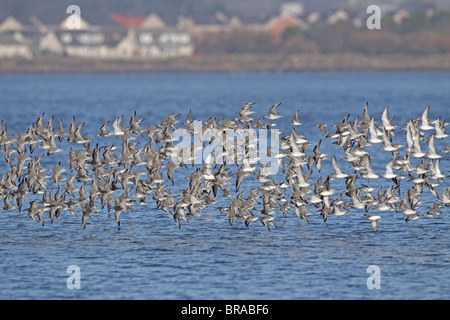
[150,38]
[13,44]
[10,24]
[50,44]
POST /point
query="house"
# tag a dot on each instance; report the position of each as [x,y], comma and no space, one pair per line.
[400,15]
[49,44]
[18,39]
[278,25]
[13,44]
[83,24]
[275,27]
[153,21]
[87,40]
[164,43]
[313,17]
[128,46]
[150,37]
[11,24]
[134,37]
[291,7]
[90,44]
[339,15]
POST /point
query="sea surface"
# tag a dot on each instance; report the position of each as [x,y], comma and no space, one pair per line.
[150,258]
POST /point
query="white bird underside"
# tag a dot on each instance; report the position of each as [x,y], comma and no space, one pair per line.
[140,166]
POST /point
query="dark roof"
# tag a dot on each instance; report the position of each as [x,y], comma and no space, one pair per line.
[8,38]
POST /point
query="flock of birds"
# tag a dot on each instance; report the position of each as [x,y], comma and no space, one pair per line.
[119,178]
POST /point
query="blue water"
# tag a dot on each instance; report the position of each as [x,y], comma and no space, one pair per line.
[150,258]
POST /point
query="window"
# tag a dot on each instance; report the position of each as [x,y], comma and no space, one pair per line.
[91,38]
[66,38]
[145,38]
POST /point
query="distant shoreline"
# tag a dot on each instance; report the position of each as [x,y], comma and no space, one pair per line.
[232,63]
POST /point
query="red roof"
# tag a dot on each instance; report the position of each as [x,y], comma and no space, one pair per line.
[280,24]
[127,22]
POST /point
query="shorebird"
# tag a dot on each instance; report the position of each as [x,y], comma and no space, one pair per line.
[431,149]
[374,132]
[239,177]
[135,124]
[170,121]
[60,133]
[49,145]
[425,122]
[415,138]
[337,210]
[95,175]
[300,210]
[439,127]
[382,199]
[317,156]
[436,170]
[170,166]
[118,130]
[411,217]
[250,218]
[103,131]
[368,172]
[321,127]
[57,170]
[7,203]
[86,210]
[273,112]
[32,210]
[387,144]
[268,221]
[373,221]
[295,121]
[357,203]
[337,171]
[389,174]
[386,121]
[445,197]
[180,212]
